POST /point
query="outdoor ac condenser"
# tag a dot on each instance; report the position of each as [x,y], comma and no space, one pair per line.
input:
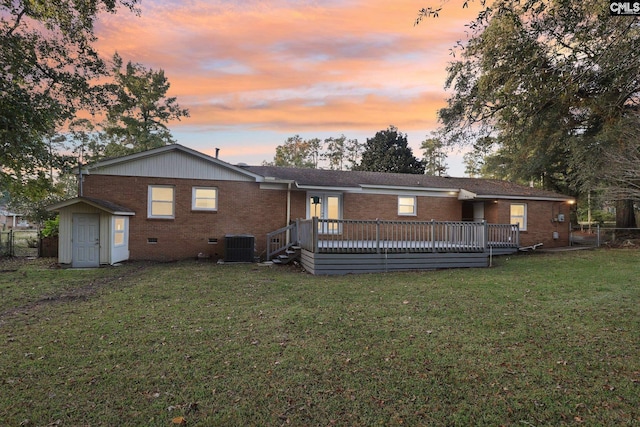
[239,248]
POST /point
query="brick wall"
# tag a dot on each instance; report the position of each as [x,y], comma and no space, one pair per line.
[242,209]
[385,207]
[541,221]
[245,209]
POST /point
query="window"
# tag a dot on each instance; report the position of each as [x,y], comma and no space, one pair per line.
[406,205]
[119,231]
[204,199]
[161,202]
[519,215]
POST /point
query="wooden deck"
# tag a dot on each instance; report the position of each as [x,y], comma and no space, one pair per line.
[351,246]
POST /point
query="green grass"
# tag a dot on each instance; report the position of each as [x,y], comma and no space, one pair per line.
[536,340]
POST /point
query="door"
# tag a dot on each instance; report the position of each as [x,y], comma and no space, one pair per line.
[326,206]
[86,240]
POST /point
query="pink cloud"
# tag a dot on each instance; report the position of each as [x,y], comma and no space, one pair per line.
[294,66]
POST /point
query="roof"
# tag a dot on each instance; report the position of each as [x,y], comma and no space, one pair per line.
[104,205]
[469,188]
[142,164]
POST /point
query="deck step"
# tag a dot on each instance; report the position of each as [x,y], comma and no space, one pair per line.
[291,254]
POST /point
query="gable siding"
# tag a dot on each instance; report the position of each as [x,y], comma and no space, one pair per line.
[173,165]
[242,209]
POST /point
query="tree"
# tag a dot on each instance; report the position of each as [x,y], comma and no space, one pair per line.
[551,81]
[297,153]
[139,110]
[47,65]
[388,151]
[434,157]
[353,152]
[335,154]
[622,173]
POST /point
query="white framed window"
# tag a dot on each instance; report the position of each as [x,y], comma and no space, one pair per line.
[119,231]
[518,215]
[407,206]
[161,203]
[204,199]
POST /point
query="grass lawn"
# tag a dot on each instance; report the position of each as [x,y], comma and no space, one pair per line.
[544,339]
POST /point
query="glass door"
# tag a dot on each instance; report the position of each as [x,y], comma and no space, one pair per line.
[326,206]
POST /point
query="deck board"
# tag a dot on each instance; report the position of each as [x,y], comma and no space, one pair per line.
[346,263]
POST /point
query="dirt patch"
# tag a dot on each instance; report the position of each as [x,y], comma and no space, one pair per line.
[77,294]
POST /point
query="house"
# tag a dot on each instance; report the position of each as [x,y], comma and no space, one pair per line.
[11,220]
[174,203]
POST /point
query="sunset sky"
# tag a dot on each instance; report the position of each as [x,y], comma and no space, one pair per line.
[253,73]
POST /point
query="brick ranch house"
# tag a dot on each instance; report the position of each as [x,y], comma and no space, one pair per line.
[174,203]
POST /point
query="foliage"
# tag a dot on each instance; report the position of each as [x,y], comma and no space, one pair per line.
[47,64]
[33,205]
[388,151]
[138,111]
[51,227]
[300,153]
[552,82]
[622,172]
[537,340]
[434,157]
[341,153]
[295,152]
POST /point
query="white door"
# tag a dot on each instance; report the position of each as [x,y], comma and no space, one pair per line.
[86,240]
[325,206]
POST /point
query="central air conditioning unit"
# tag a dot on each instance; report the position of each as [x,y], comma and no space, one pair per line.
[239,248]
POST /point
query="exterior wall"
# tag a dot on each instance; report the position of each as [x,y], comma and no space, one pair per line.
[242,209]
[65,248]
[377,206]
[298,205]
[541,221]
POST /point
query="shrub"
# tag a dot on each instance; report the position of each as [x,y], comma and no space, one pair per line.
[51,227]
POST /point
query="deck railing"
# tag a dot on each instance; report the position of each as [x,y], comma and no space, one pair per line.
[503,235]
[280,240]
[355,236]
[377,236]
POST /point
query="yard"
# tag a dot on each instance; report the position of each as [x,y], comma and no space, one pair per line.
[542,339]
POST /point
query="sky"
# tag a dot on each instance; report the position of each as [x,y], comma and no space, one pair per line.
[254,73]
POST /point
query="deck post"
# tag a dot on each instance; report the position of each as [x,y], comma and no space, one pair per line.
[485,233]
[314,234]
[433,235]
[377,235]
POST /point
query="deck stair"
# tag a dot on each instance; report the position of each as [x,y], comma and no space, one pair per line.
[290,255]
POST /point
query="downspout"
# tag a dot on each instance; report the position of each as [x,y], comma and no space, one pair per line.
[80,191]
[288,212]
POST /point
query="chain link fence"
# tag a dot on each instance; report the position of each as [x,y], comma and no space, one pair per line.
[20,243]
[605,236]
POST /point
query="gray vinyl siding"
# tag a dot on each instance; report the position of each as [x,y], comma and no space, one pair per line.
[173,165]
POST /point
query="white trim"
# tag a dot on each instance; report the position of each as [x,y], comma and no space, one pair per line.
[531,198]
[116,232]
[150,202]
[410,188]
[193,198]
[522,227]
[413,205]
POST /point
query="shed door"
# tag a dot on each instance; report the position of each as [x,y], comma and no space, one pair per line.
[86,240]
